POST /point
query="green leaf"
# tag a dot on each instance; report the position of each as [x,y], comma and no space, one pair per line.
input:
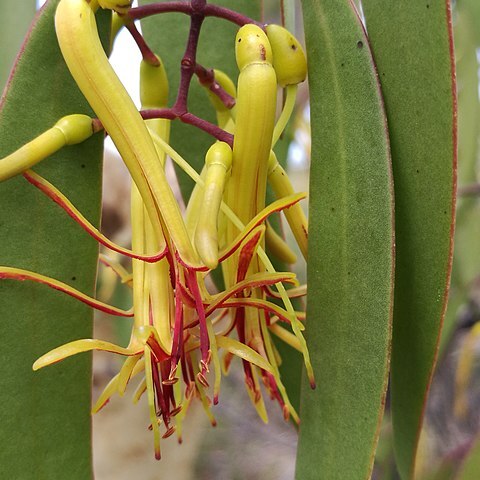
[466,258]
[189,141]
[289,13]
[411,43]
[350,260]
[14,22]
[45,416]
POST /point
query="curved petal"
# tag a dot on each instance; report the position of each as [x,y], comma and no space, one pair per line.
[244,352]
[79,346]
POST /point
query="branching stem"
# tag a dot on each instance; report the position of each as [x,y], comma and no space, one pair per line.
[188,8]
[197,10]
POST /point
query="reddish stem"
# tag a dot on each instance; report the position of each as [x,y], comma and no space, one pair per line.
[186,8]
[206,76]
[188,64]
[147,54]
[187,117]
[190,119]
[197,10]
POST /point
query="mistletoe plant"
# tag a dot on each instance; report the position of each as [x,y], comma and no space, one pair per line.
[184,332]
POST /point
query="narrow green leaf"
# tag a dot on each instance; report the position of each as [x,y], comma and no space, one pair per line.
[14,22]
[350,260]
[289,14]
[466,258]
[167,35]
[45,416]
[412,47]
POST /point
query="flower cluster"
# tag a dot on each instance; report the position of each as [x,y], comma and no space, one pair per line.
[185,335]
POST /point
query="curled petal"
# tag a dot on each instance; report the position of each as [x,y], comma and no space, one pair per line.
[286,336]
[139,391]
[117,268]
[21,275]
[79,346]
[244,352]
[253,281]
[259,219]
[296,292]
[148,335]
[63,202]
[260,304]
[247,251]
[105,396]
[126,373]
[278,247]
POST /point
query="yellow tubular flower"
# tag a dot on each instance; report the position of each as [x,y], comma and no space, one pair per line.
[154,94]
[178,324]
[278,247]
[255,118]
[118,22]
[289,60]
[254,125]
[69,130]
[225,121]
[224,114]
[290,66]
[119,6]
[218,162]
[282,187]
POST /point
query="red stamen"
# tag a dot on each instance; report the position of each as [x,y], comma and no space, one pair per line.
[202,379]
[190,390]
[176,411]
[160,394]
[190,368]
[247,367]
[204,340]
[159,354]
[185,373]
[169,432]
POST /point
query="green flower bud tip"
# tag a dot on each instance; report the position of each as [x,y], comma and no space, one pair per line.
[289,59]
[252,46]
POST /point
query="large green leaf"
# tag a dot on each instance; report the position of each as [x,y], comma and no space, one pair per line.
[412,47]
[351,249]
[45,416]
[167,35]
[14,21]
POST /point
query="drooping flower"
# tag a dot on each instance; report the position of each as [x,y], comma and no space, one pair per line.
[180,326]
